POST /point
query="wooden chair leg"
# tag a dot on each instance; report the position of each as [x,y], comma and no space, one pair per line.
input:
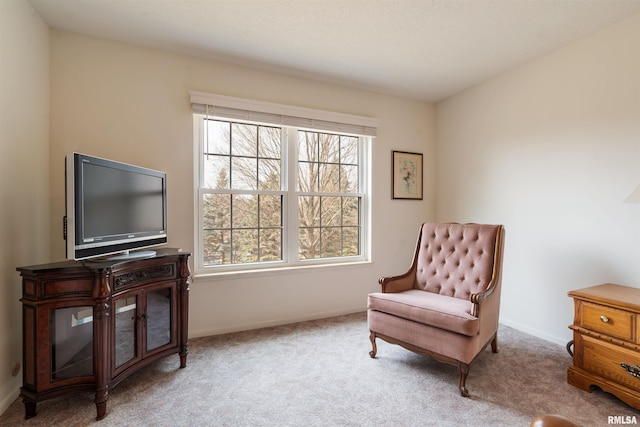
[464,371]
[494,343]
[374,350]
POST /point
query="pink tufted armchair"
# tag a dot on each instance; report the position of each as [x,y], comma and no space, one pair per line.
[447,304]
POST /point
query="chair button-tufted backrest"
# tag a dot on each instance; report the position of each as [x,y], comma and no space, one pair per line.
[456,259]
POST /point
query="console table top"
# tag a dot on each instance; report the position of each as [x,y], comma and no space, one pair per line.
[97,263]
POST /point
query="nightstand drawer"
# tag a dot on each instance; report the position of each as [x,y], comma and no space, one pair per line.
[607,320]
[607,360]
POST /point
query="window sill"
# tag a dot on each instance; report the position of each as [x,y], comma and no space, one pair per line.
[211,276]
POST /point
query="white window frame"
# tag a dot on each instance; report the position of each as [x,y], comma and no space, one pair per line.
[291,119]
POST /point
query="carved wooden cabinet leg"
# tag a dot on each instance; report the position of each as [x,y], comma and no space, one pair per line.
[101,404]
[101,411]
[494,344]
[374,350]
[29,408]
[183,357]
[183,300]
[464,371]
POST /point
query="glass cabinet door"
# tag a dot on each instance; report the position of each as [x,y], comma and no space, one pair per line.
[125,333]
[71,342]
[158,317]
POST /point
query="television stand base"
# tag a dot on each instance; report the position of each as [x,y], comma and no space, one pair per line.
[126,256]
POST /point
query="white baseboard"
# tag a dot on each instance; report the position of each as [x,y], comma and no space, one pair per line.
[535,332]
[6,401]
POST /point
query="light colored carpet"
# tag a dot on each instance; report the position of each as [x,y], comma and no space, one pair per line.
[319,373]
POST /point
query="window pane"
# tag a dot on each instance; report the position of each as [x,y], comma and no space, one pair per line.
[244,211]
[329,148]
[307,177]
[331,211]
[216,211]
[349,150]
[244,173]
[270,244]
[245,246]
[269,175]
[217,247]
[308,146]
[269,142]
[216,172]
[329,178]
[350,211]
[270,210]
[349,179]
[217,134]
[309,243]
[309,211]
[350,241]
[331,242]
[244,140]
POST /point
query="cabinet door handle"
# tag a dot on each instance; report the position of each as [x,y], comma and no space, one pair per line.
[631,370]
[604,319]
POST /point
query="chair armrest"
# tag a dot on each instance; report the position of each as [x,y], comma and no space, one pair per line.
[478,298]
[481,296]
[400,283]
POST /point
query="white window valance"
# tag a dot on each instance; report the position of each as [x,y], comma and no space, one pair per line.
[228,107]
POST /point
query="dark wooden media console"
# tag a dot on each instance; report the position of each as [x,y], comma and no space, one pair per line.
[87,325]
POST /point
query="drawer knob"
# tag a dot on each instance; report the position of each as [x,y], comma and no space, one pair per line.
[604,319]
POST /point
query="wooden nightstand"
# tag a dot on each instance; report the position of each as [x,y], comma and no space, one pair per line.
[606,336]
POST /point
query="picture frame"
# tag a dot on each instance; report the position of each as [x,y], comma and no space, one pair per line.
[407,175]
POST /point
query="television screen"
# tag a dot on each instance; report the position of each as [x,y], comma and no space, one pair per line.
[112,207]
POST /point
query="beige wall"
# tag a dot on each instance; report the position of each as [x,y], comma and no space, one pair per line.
[551,150]
[24,171]
[131,104]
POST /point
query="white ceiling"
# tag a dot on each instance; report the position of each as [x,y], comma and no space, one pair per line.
[423,49]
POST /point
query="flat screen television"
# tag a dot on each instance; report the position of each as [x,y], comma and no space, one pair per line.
[113,208]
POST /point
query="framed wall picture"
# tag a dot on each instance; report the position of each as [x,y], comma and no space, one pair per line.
[407,175]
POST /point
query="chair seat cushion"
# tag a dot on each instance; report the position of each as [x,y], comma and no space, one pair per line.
[440,311]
